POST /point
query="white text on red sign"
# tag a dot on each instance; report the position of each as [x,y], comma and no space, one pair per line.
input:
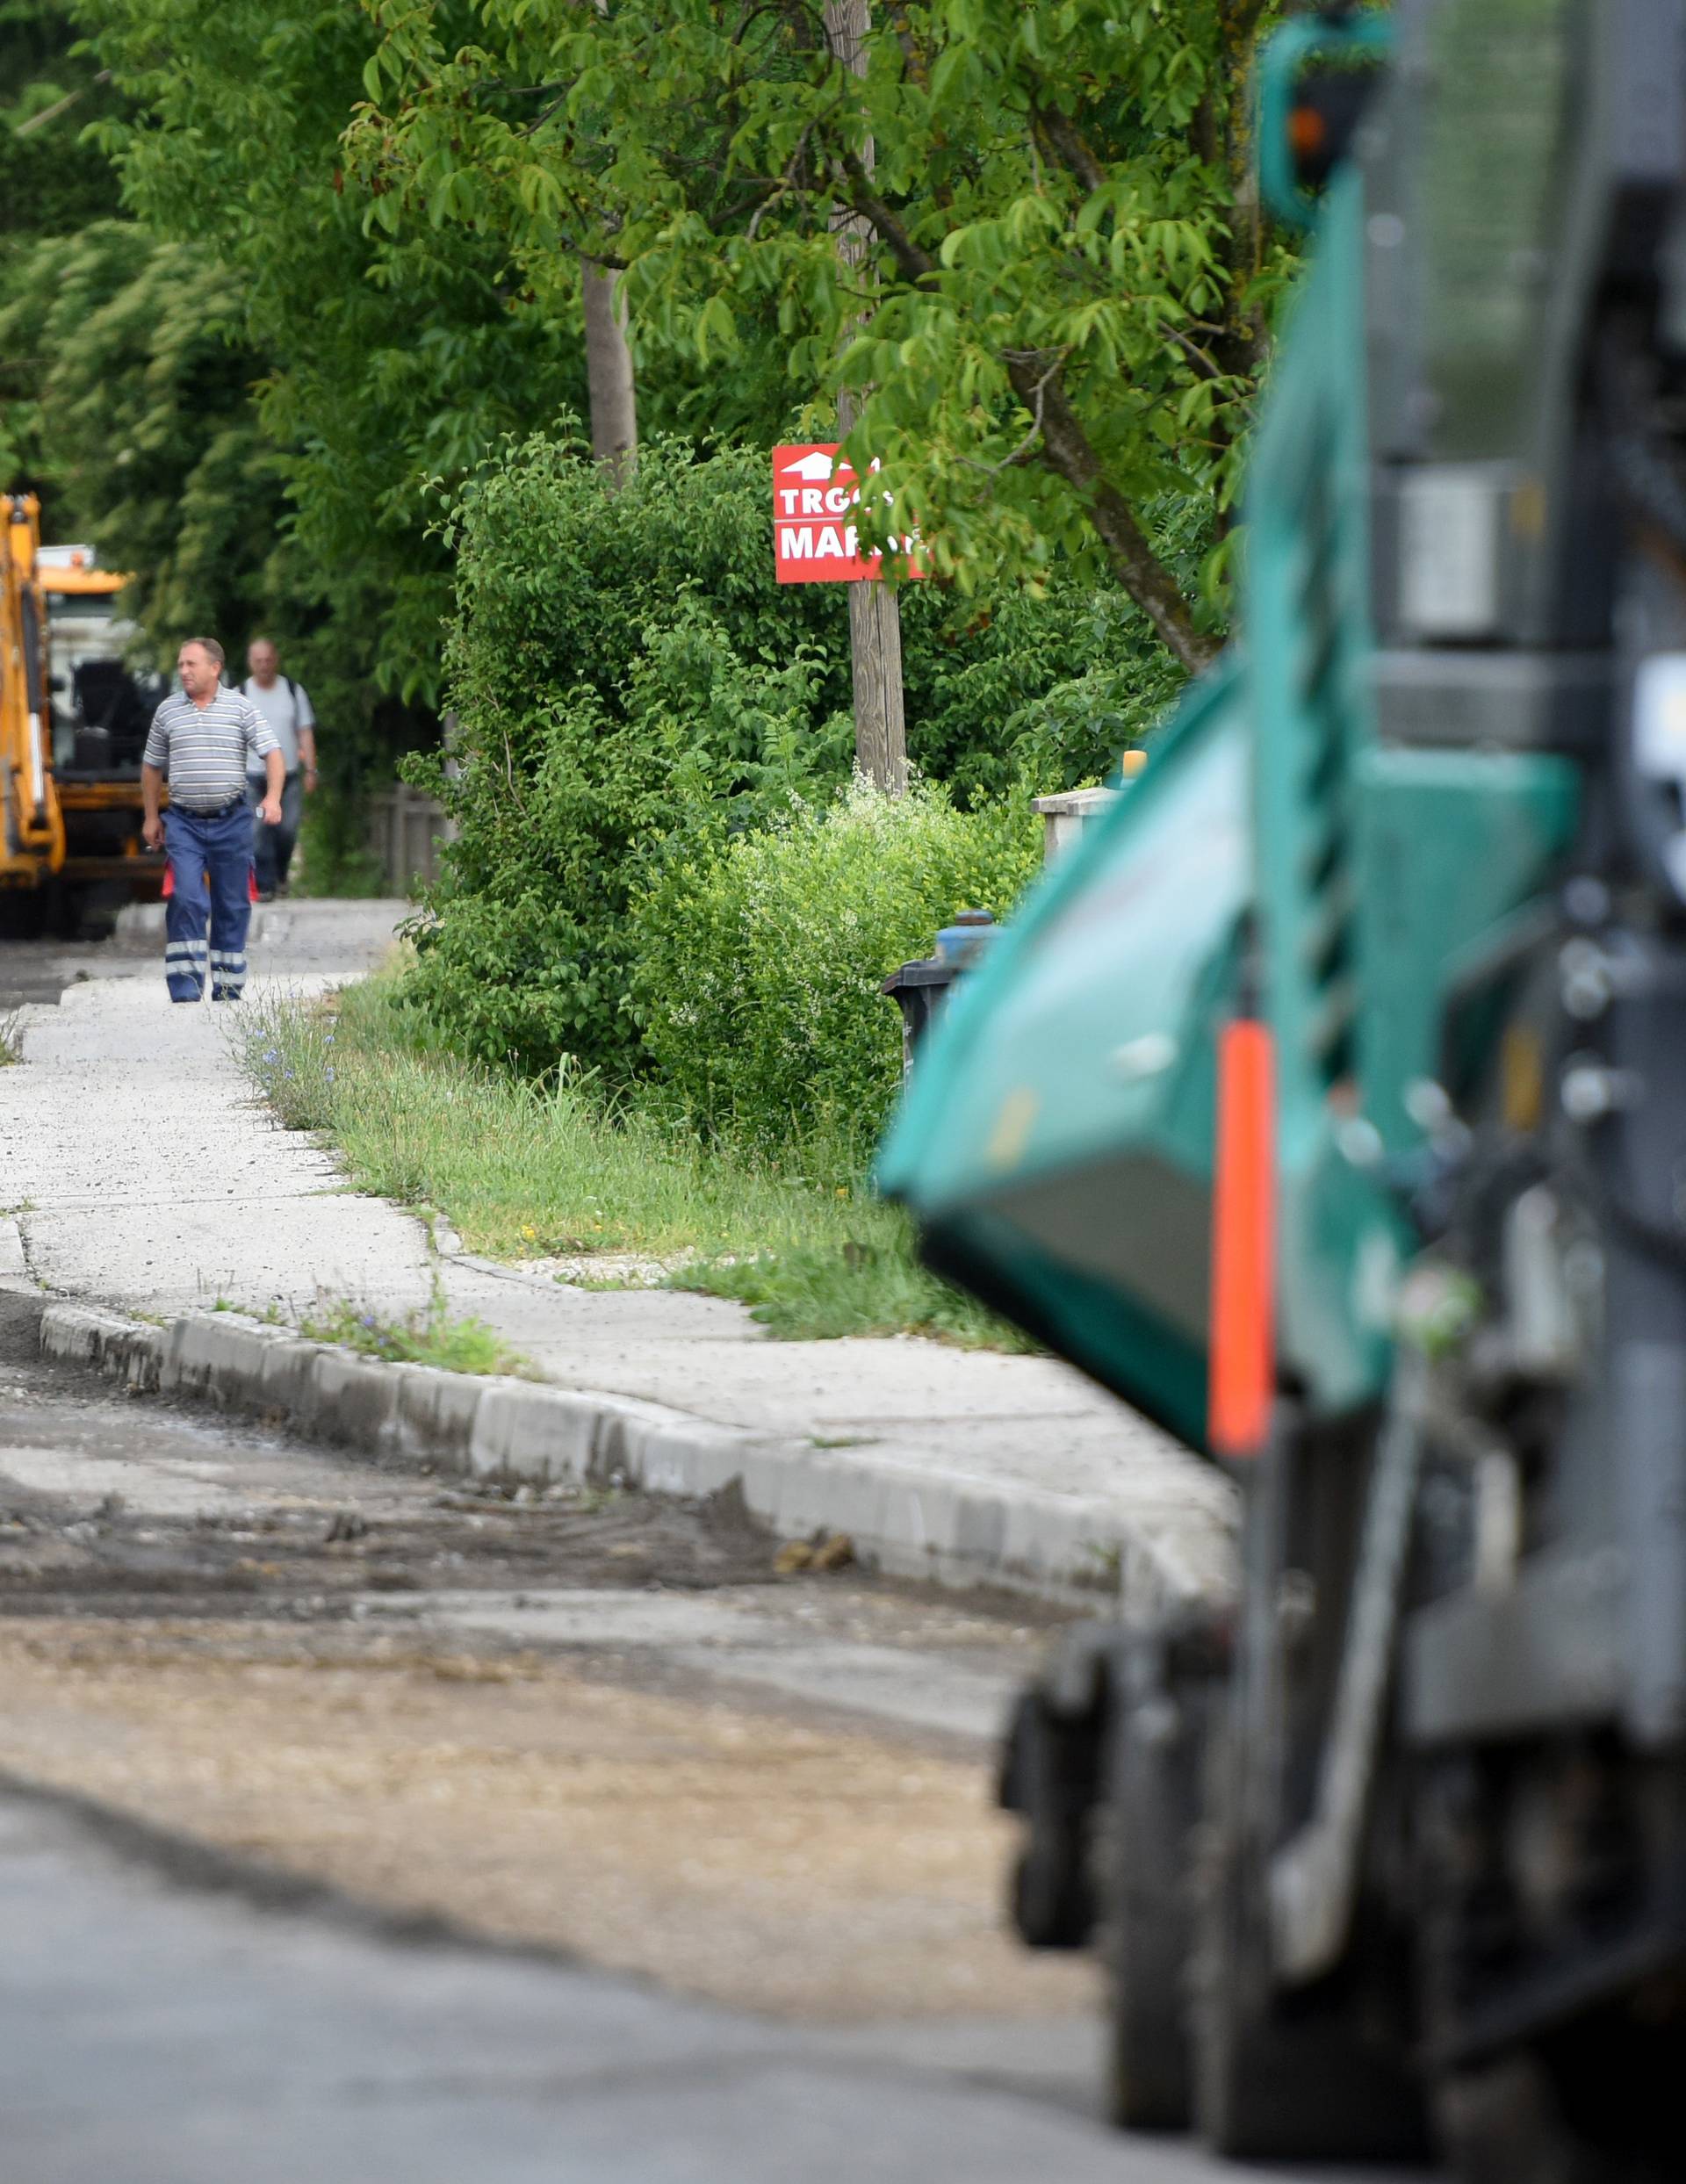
[814,541]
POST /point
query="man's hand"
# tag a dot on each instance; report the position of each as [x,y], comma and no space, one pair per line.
[310,780]
[151,832]
[270,811]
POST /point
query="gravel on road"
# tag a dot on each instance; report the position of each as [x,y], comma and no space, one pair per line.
[599,1723]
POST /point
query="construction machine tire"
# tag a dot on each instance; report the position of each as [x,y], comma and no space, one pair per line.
[63,919]
[1145,1832]
[1050,1900]
[1283,2077]
[23,913]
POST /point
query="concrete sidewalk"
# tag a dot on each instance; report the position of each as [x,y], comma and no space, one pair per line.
[137,1173]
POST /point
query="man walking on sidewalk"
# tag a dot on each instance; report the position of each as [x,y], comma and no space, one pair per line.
[284,705]
[203,740]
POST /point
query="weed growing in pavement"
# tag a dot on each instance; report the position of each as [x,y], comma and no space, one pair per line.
[431,1336]
[270,1316]
[286,1047]
[535,1171]
[11,1039]
[1108,1558]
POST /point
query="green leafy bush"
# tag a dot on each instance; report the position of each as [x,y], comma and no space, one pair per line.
[635,691]
[1039,689]
[624,679]
[760,961]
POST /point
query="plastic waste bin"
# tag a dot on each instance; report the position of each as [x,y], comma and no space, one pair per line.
[917,988]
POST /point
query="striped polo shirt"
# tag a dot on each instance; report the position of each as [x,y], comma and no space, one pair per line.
[201,751]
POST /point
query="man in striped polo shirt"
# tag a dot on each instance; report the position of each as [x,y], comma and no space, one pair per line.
[200,742]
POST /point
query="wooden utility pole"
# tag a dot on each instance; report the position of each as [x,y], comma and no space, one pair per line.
[874,613]
[610,388]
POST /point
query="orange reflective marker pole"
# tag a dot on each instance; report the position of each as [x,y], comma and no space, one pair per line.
[1241,1361]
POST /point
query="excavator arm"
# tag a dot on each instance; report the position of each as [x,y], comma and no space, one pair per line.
[31,824]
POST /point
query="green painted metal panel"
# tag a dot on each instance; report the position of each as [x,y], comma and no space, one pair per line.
[1060,1116]
[1451,843]
[1308,648]
[1308,620]
[1080,1034]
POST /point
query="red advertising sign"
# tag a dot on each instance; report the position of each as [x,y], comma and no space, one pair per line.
[814,535]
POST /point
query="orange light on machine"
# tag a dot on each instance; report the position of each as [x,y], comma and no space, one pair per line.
[1307,134]
[1240,1354]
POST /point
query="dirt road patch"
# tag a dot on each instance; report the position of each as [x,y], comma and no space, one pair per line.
[719,1850]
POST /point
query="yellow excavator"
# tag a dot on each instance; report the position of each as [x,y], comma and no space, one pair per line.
[72,723]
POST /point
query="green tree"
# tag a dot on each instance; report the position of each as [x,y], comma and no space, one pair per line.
[148,432]
[385,365]
[210,370]
[52,184]
[1056,332]
[52,180]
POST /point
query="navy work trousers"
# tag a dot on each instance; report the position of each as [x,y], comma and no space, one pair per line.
[272,845]
[211,876]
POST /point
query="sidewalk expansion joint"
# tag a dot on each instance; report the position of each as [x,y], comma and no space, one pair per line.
[16,1271]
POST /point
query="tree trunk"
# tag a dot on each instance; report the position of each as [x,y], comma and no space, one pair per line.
[1241,347]
[875,612]
[611,389]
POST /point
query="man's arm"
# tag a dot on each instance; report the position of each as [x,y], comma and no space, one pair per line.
[305,721]
[275,780]
[154,760]
[260,741]
[152,789]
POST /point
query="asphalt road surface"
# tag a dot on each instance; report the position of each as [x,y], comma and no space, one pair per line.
[358,1825]
[37,971]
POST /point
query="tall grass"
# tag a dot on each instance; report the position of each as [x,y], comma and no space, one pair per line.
[527,1170]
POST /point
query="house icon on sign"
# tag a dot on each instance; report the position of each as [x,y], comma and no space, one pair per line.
[816,467]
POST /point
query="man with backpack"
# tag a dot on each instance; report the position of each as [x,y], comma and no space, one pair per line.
[284,706]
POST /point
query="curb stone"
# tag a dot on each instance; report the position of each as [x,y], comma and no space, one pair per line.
[909,1521]
[124,1350]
